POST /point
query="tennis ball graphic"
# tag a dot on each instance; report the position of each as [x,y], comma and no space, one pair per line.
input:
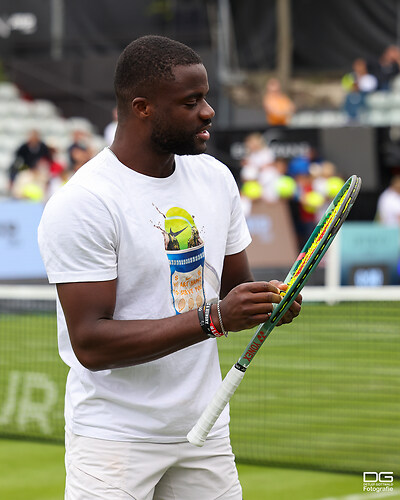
[178,224]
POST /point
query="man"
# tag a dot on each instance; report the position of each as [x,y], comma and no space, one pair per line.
[29,154]
[388,206]
[278,106]
[80,151]
[139,242]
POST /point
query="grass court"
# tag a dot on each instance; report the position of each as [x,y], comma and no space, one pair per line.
[318,406]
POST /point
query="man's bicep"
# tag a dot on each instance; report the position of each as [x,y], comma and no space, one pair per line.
[84,304]
[236,270]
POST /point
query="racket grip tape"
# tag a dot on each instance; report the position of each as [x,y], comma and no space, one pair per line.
[199,433]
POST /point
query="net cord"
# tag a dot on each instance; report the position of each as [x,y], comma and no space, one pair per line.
[327,294]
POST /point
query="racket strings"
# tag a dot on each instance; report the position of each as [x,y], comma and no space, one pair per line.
[315,243]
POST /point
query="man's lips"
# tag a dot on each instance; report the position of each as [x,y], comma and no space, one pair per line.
[204,133]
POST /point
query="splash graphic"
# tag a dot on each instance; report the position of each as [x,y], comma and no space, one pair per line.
[185,251]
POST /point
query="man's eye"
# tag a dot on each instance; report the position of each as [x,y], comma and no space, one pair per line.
[191,104]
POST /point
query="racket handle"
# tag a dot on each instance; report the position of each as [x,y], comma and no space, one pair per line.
[199,433]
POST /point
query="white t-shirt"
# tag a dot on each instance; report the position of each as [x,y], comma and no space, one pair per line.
[111,222]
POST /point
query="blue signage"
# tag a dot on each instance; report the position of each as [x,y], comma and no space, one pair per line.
[19,252]
[370,254]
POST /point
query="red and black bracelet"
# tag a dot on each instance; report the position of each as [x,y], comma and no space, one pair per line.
[206,322]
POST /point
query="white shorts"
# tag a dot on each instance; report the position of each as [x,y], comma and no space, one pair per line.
[108,470]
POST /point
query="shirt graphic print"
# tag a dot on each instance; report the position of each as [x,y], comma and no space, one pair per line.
[186,257]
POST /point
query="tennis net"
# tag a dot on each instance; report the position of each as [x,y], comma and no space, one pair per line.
[323,392]
[32,376]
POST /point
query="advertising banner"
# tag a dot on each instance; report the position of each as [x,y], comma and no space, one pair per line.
[370,254]
[19,252]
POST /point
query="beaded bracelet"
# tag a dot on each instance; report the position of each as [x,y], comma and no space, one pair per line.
[220,319]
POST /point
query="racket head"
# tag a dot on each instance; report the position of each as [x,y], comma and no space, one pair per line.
[308,259]
[331,221]
[322,236]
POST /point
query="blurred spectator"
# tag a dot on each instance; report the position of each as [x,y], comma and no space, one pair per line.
[303,213]
[28,154]
[80,151]
[358,84]
[326,183]
[386,68]
[56,167]
[269,180]
[59,174]
[320,173]
[278,107]
[306,202]
[109,131]
[388,208]
[258,156]
[299,165]
[57,181]
[360,79]
[31,183]
[303,163]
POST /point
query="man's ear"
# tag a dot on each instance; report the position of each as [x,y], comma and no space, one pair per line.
[141,107]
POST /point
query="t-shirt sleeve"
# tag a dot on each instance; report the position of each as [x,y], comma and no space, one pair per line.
[238,236]
[77,238]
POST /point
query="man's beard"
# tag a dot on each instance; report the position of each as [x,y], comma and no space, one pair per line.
[167,139]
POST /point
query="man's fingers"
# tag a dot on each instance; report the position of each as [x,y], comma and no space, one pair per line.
[252,303]
[264,297]
[261,287]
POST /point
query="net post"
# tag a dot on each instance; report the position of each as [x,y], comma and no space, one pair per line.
[333,263]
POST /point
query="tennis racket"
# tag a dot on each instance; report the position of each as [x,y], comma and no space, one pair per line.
[308,259]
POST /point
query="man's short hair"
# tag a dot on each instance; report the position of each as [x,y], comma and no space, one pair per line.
[146,61]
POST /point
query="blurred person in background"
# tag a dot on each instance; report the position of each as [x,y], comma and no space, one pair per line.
[109,131]
[80,151]
[258,156]
[269,180]
[256,166]
[58,179]
[306,202]
[271,185]
[326,183]
[278,106]
[358,84]
[302,207]
[304,162]
[386,68]
[28,155]
[321,173]
[31,183]
[388,207]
